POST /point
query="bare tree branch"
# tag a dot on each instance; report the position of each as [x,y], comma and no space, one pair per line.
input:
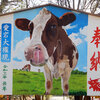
[68,3]
[78,4]
[92,6]
[73,4]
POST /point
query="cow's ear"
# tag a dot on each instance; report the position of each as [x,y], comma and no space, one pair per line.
[66,19]
[22,23]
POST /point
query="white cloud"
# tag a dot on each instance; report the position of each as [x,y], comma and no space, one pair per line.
[76,40]
[20,47]
[19,65]
[69,27]
[75,37]
[84,31]
[85,68]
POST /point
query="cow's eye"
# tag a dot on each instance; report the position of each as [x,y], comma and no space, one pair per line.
[30,27]
[53,26]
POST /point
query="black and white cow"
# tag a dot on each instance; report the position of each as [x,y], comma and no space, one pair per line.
[50,46]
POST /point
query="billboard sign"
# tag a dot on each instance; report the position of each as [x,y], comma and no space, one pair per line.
[50,50]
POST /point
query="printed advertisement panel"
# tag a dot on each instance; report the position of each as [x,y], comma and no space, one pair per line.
[6,67]
[93,76]
[50,52]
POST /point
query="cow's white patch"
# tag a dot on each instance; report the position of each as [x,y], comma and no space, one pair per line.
[39,24]
[74,59]
[50,64]
[54,49]
[64,71]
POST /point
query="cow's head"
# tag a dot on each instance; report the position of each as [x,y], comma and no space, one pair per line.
[44,33]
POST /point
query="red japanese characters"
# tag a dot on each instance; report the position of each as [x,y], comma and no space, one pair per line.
[95,84]
[95,61]
[96,37]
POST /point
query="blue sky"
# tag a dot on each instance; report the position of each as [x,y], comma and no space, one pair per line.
[75,30]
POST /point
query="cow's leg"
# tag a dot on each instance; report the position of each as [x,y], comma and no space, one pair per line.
[48,79]
[64,80]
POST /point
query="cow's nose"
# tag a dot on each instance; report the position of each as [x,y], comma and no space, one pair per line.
[37,48]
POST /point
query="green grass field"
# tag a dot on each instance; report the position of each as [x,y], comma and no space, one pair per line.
[34,83]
